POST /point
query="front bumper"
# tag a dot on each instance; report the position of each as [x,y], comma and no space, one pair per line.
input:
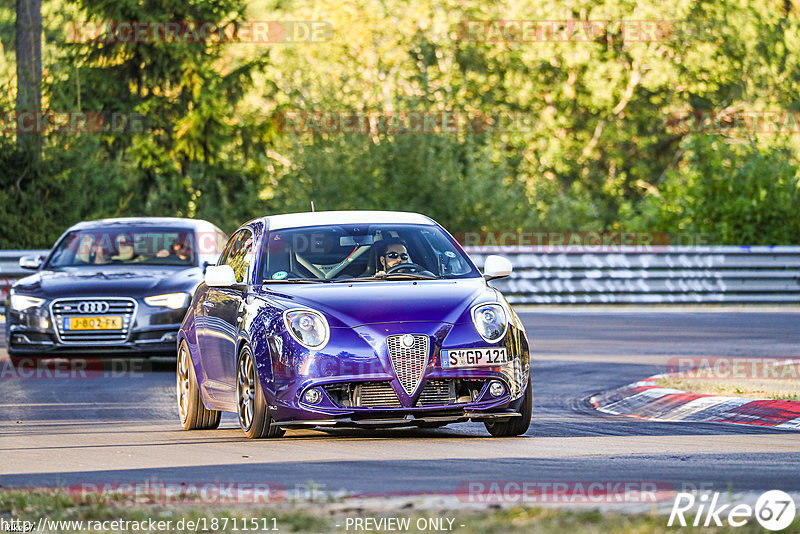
[152,342]
[152,331]
[360,384]
[345,403]
[395,421]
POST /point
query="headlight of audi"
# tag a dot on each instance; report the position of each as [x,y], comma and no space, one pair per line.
[308,327]
[23,302]
[490,321]
[175,301]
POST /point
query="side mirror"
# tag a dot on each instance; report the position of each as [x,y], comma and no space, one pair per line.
[220,276]
[31,262]
[496,267]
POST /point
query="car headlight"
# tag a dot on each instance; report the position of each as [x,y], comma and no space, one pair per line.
[490,321]
[23,302]
[175,301]
[308,327]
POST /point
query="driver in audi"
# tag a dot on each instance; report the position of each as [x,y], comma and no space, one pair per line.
[393,252]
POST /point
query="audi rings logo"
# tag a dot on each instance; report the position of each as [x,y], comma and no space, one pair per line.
[94,306]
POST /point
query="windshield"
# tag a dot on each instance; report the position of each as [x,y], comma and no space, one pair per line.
[128,246]
[363,252]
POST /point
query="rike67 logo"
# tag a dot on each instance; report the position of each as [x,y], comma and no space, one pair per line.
[774,510]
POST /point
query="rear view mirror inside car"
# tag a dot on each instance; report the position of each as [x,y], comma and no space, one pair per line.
[353,240]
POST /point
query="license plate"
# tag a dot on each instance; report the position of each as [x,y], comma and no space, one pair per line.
[474,357]
[113,322]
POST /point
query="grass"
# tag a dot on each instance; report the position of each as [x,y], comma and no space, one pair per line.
[29,505]
[761,388]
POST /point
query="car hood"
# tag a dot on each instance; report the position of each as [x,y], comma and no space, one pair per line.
[110,281]
[384,301]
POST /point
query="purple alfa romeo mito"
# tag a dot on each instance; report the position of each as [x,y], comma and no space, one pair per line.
[351,318]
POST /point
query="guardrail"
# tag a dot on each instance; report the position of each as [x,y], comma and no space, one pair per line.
[660,275]
[730,275]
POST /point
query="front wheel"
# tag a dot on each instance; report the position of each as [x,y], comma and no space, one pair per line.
[254,416]
[515,426]
[194,416]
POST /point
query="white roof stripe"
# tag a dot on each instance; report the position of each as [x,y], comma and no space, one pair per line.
[319,218]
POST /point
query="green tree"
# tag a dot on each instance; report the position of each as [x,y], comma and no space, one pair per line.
[733,193]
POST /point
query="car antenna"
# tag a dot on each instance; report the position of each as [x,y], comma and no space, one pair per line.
[312,206]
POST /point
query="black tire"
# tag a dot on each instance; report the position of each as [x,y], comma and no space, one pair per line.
[514,426]
[193,415]
[251,404]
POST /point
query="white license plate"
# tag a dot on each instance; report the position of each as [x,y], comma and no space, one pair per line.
[474,357]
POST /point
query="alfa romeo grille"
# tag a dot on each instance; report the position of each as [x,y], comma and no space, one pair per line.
[409,356]
[375,395]
[89,307]
[437,392]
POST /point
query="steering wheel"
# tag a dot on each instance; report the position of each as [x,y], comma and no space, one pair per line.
[409,268]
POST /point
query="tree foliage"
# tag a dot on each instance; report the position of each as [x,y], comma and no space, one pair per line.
[591,142]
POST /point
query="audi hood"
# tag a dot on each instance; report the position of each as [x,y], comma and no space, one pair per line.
[108,281]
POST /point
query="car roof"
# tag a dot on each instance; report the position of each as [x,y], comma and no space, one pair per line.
[321,218]
[168,222]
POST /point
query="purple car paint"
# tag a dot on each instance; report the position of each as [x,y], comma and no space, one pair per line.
[307,321]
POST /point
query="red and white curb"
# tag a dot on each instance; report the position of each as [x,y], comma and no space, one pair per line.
[646,400]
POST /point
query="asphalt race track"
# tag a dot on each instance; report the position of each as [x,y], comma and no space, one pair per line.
[57,432]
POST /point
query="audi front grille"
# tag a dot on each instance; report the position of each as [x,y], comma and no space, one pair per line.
[62,309]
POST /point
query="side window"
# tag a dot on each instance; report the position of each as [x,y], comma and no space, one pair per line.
[450,262]
[240,254]
[223,258]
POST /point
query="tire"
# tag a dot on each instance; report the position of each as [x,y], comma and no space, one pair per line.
[251,404]
[192,413]
[515,426]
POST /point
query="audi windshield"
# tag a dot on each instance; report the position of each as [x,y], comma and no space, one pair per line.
[145,246]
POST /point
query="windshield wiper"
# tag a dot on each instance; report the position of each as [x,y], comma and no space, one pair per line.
[393,276]
[406,276]
[296,281]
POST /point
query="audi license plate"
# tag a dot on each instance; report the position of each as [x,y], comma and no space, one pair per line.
[474,357]
[113,322]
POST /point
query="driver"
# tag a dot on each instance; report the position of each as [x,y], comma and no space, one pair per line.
[124,249]
[393,252]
